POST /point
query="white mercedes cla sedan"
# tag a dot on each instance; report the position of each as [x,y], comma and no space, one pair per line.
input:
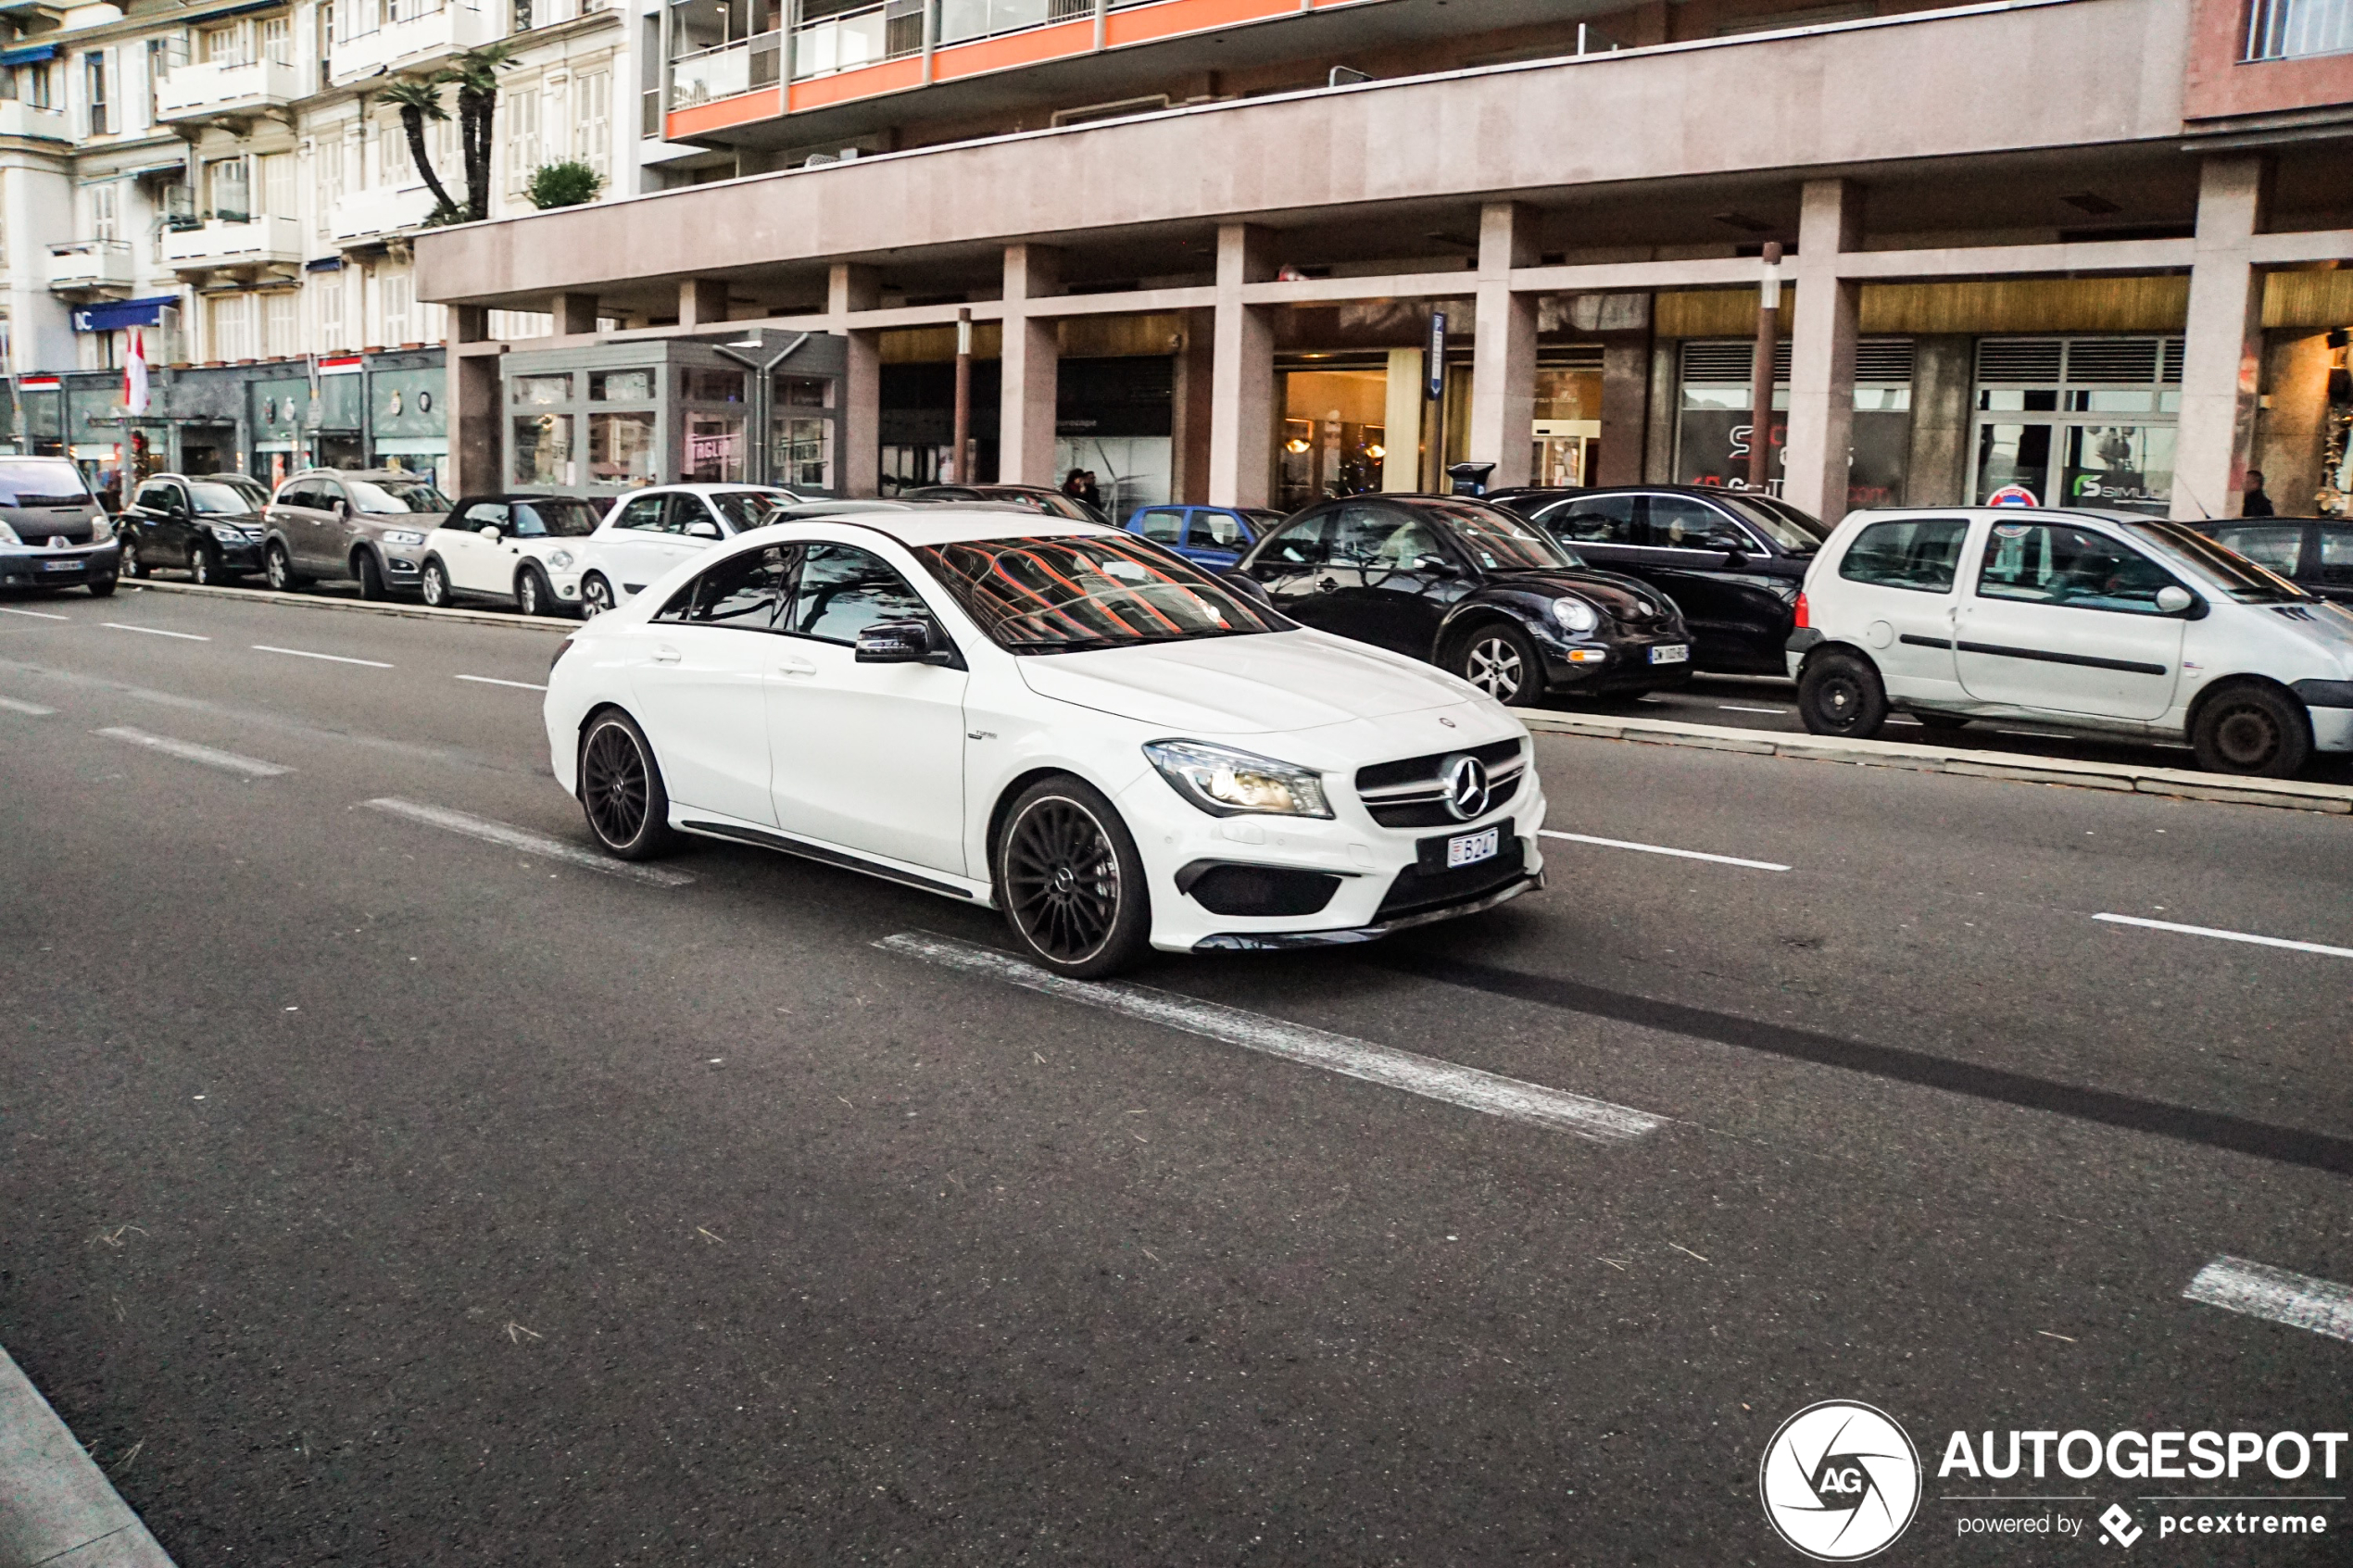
[1066,723]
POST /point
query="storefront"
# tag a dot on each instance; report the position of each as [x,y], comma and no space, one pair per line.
[1715,416]
[406,428]
[2077,420]
[1568,415]
[1335,432]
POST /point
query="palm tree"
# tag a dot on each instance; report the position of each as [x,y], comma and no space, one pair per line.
[420,100]
[476,74]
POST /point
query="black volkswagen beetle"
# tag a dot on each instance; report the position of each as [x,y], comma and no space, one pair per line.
[1473,589]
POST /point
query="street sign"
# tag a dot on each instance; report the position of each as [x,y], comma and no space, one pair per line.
[1434,360]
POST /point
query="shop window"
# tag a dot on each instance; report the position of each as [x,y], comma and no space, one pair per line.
[714,448]
[620,386]
[2105,434]
[539,392]
[698,383]
[621,447]
[543,449]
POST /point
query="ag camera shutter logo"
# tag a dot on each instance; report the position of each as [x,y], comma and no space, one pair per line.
[1840,1481]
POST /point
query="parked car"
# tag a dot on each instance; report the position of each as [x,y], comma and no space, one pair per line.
[1474,589]
[2092,620]
[1056,720]
[521,549]
[208,524]
[2314,553]
[368,525]
[647,533]
[1731,560]
[1028,497]
[1212,537]
[53,532]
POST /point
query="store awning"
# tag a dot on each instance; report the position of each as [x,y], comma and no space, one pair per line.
[119,315]
[29,56]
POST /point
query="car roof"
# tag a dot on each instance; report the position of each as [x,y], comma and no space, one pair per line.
[2205,522]
[939,525]
[359,474]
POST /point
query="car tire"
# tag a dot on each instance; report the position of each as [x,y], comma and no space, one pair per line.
[370,575]
[1501,660]
[621,789]
[434,582]
[131,567]
[1070,882]
[2259,731]
[203,571]
[1940,721]
[1841,694]
[533,594]
[102,587]
[278,570]
[596,596]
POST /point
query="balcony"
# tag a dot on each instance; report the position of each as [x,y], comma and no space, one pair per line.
[402,34]
[247,246]
[366,218]
[91,266]
[20,119]
[216,90]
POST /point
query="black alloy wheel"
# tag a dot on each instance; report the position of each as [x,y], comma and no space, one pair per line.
[1500,660]
[531,592]
[620,790]
[370,575]
[277,570]
[595,595]
[1839,694]
[2255,730]
[133,566]
[201,568]
[1070,880]
[436,582]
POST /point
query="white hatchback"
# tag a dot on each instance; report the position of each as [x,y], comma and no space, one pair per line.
[2093,621]
[524,550]
[1060,721]
[647,533]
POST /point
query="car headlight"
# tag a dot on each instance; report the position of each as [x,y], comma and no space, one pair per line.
[1576,614]
[226,534]
[1226,783]
[560,560]
[101,528]
[403,536]
[8,536]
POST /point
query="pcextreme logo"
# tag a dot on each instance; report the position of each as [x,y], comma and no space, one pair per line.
[1840,1481]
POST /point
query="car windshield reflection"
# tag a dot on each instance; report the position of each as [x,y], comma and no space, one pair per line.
[1068,594]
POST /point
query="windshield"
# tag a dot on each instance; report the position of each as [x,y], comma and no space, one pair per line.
[41,482]
[748,509]
[395,495]
[2224,569]
[1499,541]
[1090,591]
[215,498]
[1778,520]
[555,520]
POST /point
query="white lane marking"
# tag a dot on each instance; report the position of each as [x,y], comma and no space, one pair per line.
[490,681]
[2229,935]
[1663,849]
[152,631]
[2261,1291]
[35,614]
[329,658]
[1736,708]
[31,710]
[189,751]
[530,842]
[1467,1086]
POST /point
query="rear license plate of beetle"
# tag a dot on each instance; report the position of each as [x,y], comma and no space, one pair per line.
[1469,848]
[1670,653]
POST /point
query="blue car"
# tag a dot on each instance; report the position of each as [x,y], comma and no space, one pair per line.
[1214,536]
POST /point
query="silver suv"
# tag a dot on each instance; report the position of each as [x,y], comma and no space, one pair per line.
[367,524]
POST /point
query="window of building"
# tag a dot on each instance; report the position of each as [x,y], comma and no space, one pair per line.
[104,217]
[395,167]
[1715,418]
[93,69]
[523,137]
[231,326]
[282,331]
[328,289]
[595,138]
[2076,422]
[277,183]
[2287,30]
[222,45]
[277,40]
[228,189]
[396,288]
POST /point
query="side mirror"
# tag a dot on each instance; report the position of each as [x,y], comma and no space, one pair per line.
[894,642]
[2173,600]
[703,528]
[490,532]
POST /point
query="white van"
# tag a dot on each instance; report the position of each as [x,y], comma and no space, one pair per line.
[2102,622]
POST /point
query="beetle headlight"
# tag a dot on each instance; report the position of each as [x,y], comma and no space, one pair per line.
[1226,783]
[1576,614]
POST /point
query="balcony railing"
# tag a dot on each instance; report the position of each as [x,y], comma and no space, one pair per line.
[724,72]
[234,242]
[2287,30]
[20,119]
[91,264]
[370,214]
[382,36]
[842,41]
[199,91]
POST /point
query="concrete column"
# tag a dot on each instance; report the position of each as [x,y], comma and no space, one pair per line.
[1821,352]
[576,314]
[1189,425]
[1936,468]
[1656,418]
[1402,469]
[1503,411]
[1241,433]
[1030,365]
[858,466]
[476,453]
[2223,362]
[1627,403]
[701,301]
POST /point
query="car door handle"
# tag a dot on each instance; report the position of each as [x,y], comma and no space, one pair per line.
[794,667]
[665,656]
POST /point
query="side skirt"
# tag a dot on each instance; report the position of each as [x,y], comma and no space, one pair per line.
[768,839]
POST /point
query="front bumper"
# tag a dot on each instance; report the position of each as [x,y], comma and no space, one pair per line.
[1611,661]
[24,568]
[1273,941]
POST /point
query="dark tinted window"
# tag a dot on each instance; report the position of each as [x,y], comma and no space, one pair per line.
[156,497]
[486,514]
[1595,519]
[1300,543]
[1923,554]
[395,495]
[2227,569]
[742,591]
[41,482]
[1221,530]
[554,518]
[642,512]
[2336,556]
[1384,539]
[214,499]
[844,590]
[2278,546]
[1498,540]
[2051,563]
[748,509]
[1678,522]
[1065,593]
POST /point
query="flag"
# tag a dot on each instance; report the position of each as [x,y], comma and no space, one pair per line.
[134,376]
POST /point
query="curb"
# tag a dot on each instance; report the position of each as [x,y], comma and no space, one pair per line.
[381,606]
[2290,793]
[56,1507]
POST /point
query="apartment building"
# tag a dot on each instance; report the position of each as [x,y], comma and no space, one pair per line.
[1254,251]
[228,183]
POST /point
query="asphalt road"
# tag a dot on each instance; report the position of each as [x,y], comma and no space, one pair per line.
[377,1194]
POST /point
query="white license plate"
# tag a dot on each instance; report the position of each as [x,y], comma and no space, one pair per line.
[1472,847]
[61,566]
[1671,653]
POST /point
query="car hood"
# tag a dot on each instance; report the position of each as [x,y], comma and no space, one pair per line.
[1257,684]
[1622,598]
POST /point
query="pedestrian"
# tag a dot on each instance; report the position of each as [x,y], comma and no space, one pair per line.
[1073,482]
[2258,504]
[1087,491]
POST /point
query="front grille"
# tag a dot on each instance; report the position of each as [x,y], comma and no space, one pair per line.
[38,531]
[1416,890]
[1230,889]
[1408,794]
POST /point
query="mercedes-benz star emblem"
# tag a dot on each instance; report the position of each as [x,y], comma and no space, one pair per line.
[1466,787]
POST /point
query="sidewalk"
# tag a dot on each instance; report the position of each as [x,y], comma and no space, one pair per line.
[57,1510]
